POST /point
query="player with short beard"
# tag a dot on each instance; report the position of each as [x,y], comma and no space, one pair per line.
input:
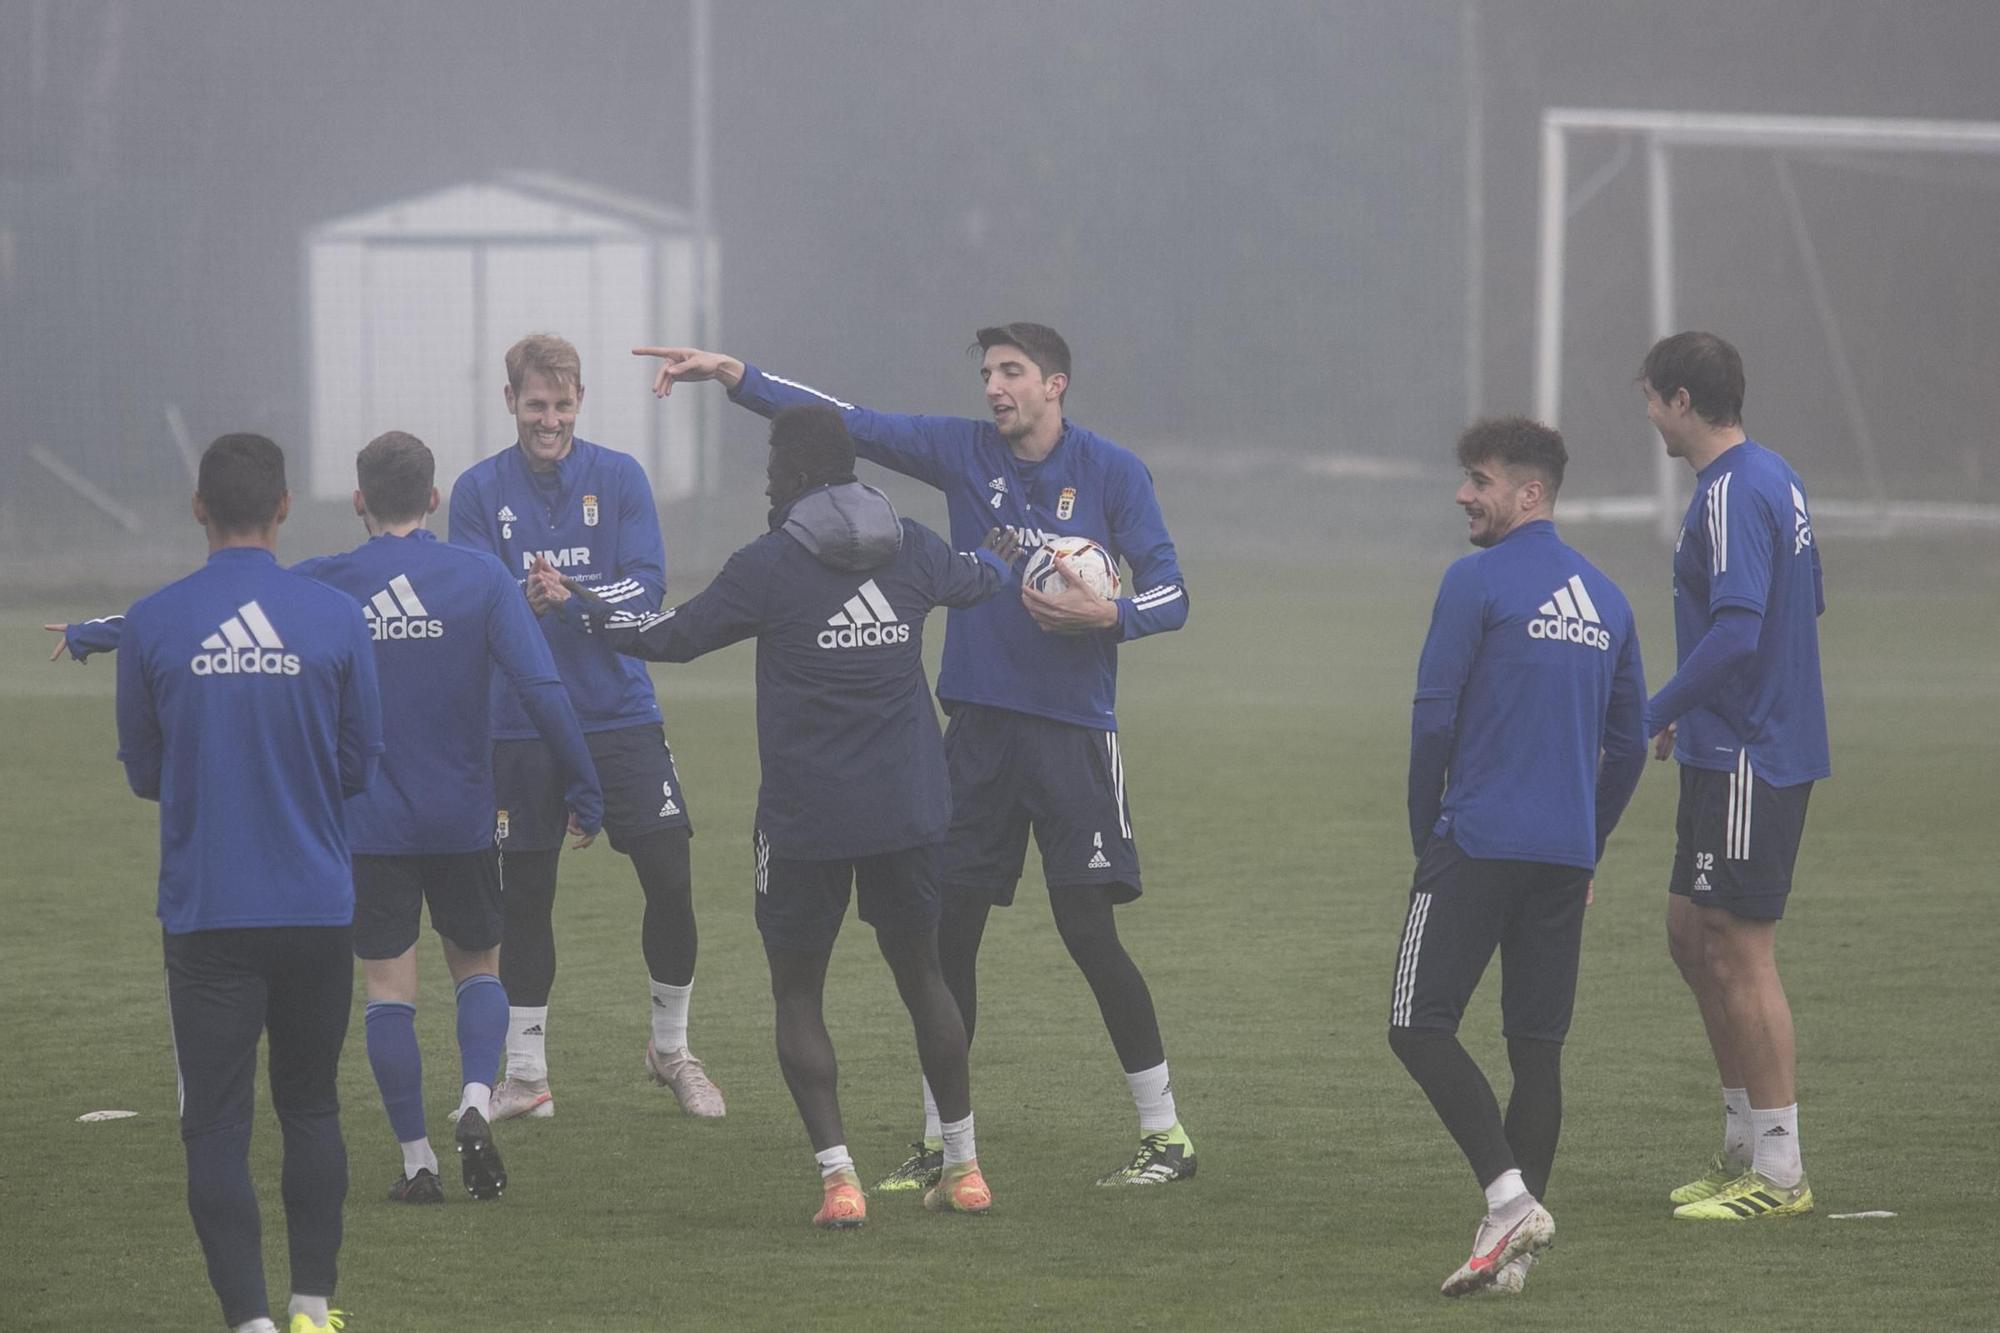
[1029,682]
[554,497]
[1525,745]
[1745,717]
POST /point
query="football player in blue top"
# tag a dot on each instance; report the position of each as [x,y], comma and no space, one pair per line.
[1745,717]
[588,511]
[854,793]
[1525,745]
[1029,683]
[444,621]
[248,708]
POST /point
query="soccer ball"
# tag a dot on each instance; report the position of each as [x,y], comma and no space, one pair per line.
[1098,570]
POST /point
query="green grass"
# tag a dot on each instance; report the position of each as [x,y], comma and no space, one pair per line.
[1265,747]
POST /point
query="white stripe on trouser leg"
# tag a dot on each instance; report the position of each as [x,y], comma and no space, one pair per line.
[1118,783]
[173,1039]
[763,862]
[1747,788]
[1406,961]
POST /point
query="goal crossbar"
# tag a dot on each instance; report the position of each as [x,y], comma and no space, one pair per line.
[1660,131]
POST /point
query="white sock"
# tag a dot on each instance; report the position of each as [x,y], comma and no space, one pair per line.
[476,1097]
[527,1042]
[417,1156]
[933,1129]
[1736,1136]
[312,1307]
[1777,1139]
[1506,1187]
[833,1161]
[670,1017]
[958,1145]
[261,1324]
[1153,1094]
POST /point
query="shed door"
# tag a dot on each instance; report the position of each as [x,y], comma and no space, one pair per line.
[418,349]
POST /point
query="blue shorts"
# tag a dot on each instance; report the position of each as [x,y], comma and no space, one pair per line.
[462,888]
[1014,771]
[642,792]
[1461,910]
[1736,839]
[800,904]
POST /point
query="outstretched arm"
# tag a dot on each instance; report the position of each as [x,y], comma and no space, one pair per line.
[81,638]
[727,611]
[925,447]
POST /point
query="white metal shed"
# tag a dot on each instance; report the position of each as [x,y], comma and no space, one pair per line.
[412,306]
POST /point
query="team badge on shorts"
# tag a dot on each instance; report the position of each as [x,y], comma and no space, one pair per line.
[590,511]
[500,827]
[1066,502]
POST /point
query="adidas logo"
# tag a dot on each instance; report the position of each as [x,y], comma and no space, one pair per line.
[532,1030]
[1570,616]
[1701,884]
[1776,1132]
[507,515]
[999,488]
[867,621]
[1801,522]
[1097,862]
[669,809]
[394,612]
[247,644]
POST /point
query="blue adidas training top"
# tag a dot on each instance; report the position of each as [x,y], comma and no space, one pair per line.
[247,707]
[449,626]
[1530,671]
[994,653]
[1747,542]
[594,518]
[445,621]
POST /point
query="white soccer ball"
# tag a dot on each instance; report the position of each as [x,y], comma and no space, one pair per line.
[1091,561]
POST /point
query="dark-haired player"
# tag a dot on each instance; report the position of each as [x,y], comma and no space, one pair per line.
[445,621]
[853,793]
[1530,673]
[248,708]
[1745,717]
[1029,682]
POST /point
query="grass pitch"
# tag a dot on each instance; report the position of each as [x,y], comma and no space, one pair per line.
[1266,749]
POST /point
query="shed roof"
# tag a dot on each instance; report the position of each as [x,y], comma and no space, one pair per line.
[513,204]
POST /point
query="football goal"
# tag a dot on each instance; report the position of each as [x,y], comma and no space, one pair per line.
[1880,285]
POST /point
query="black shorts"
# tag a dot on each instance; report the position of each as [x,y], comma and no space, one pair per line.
[1460,910]
[642,792]
[226,988]
[1012,771]
[1736,839]
[800,904]
[462,888]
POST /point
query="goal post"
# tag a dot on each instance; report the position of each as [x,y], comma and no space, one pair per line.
[1660,134]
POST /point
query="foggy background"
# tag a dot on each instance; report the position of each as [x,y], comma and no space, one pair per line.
[1250,221]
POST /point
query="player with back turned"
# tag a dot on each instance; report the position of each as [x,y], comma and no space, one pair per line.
[853,797]
[1029,682]
[1525,746]
[444,621]
[248,708]
[1746,718]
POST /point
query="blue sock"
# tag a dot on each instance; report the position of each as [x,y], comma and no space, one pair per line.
[398,1065]
[482,1028]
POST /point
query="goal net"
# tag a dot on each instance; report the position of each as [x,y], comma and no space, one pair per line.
[1853,263]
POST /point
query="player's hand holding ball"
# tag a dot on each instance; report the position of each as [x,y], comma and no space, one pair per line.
[1069,587]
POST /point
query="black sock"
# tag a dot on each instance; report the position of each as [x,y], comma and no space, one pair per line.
[1461,1096]
[667,934]
[528,938]
[1090,932]
[1535,1109]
